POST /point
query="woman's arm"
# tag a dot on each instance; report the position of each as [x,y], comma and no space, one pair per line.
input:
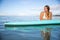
[41,14]
[50,16]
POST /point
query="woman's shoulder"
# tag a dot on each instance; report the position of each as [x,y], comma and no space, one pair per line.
[42,12]
[50,12]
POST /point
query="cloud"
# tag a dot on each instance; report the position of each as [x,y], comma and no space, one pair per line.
[32,11]
[55,7]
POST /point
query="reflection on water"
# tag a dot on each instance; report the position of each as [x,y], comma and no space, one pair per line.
[29,33]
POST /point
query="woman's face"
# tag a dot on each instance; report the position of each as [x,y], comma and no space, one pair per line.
[45,9]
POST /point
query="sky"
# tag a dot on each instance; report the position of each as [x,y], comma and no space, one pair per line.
[27,7]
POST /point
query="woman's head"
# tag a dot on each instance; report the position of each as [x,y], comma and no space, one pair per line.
[46,8]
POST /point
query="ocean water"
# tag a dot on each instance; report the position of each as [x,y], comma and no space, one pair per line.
[29,33]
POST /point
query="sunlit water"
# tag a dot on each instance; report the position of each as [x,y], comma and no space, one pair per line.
[28,33]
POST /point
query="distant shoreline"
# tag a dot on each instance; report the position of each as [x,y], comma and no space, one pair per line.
[57,15]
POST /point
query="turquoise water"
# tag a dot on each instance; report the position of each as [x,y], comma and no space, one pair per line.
[29,33]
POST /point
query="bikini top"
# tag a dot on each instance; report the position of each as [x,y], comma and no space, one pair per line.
[44,16]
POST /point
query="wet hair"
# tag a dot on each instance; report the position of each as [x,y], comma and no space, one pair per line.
[47,7]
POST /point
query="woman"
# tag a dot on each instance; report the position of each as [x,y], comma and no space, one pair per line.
[46,15]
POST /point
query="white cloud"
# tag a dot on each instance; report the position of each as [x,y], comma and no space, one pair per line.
[34,11]
[55,7]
